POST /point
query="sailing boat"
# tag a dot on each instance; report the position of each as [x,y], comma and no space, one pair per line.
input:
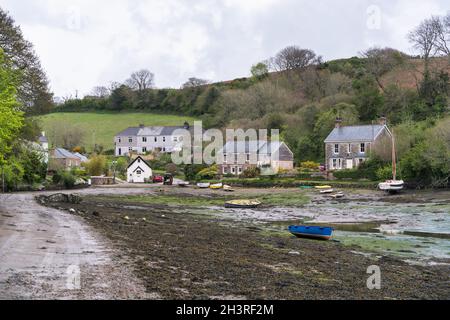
[394,185]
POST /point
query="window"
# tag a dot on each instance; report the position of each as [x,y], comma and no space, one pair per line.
[130,140]
[360,160]
[130,149]
[144,139]
[240,170]
[139,172]
[233,170]
[334,163]
[336,148]
[139,160]
[120,140]
[225,170]
[120,151]
[144,149]
[156,139]
[225,158]
[349,148]
[164,150]
[164,139]
[248,158]
[363,148]
[175,139]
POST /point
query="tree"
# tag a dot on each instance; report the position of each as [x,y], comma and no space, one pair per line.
[33,88]
[195,82]
[293,57]
[380,61]
[141,80]
[100,92]
[11,119]
[121,98]
[443,35]
[368,99]
[260,71]
[424,38]
[96,166]
[66,135]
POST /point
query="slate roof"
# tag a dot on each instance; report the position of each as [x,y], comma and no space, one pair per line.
[81,157]
[260,147]
[355,133]
[43,139]
[61,153]
[150,131]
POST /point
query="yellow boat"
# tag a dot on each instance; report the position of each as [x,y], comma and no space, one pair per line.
[242,204]
[217,186]
[323,187]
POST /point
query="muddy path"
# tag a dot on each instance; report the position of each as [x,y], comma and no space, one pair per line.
[179,254]
[49,254]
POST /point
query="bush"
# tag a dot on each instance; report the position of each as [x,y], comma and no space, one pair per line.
[68,180]
[309,166]
[351,174]
[384,173]
[208,173]
[191,171]
[96,166]
[172,168]
[251,172]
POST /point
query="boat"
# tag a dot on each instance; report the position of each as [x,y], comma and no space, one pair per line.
[306,187]
[228,188]
[327,191]
[216,186]
[242,204]
[394,185]
[320,233]
[323,187]
[337,195]
[183,184]
[203,185]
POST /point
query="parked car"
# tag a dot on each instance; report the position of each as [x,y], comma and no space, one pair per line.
[158,179]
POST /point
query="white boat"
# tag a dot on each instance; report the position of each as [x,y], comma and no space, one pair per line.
[337,195]
[327,191]
[228,188]
[203,185]
[394,185]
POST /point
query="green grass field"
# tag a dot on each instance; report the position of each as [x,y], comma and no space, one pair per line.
[100,128]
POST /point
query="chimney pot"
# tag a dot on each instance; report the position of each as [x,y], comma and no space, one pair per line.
[338,122]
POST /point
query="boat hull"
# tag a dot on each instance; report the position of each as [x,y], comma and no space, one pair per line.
[242,204]
[391,186]
[318,233]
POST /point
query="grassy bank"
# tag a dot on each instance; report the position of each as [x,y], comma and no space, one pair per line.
[100,128]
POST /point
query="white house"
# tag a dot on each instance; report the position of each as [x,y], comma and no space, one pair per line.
[139,171]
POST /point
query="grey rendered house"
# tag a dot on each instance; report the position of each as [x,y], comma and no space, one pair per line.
[142,140]
[238,156]
[347,147]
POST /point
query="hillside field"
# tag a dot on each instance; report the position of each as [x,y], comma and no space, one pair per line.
[100,128]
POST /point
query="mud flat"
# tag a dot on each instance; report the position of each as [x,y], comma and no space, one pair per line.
[183,249]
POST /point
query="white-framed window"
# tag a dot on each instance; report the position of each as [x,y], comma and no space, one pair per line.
[156,139]
[130,140]
[144,139]
[248,158]
[139,172]
[225,170]
[225,158]
[233,170]
[130,149]
[164,149]
[175,139]
[120,140]
[144,149]
[362,148]
[239,170]
[164,139]
[336,148]
[120,151]
[334,163]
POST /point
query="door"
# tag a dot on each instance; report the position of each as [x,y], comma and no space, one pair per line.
[349,163]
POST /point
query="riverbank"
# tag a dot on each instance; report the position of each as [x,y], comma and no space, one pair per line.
[182,247]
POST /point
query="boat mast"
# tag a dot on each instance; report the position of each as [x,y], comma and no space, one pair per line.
[394,160]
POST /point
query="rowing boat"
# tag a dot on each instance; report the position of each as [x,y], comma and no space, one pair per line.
[203,185]
[216,186]
[320,233]
[242,204]
[323,187]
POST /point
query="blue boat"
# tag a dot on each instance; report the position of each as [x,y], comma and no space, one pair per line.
[321,233]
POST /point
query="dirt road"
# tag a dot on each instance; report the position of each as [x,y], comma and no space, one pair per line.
[49,254]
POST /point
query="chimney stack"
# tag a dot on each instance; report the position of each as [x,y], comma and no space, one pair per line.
[338,122]
[383,120]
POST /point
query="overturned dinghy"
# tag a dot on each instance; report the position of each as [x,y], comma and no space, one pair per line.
[216,186]
[228,188]
[242,204]
[203,185]
[327,191]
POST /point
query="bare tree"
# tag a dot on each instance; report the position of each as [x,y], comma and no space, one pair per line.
[424,38]
[195,82]
[382,60]
[141,80]
[100,92]
[443,35]
[293,57]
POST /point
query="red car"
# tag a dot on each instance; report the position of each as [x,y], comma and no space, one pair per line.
[158,179]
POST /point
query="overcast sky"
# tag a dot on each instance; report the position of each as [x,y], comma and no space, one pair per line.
[84,43]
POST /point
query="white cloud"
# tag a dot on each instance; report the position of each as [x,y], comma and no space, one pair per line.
[84,43]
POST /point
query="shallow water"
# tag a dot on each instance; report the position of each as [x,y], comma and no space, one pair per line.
[431,218]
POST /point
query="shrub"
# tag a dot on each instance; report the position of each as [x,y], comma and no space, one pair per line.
[191,171]
[251,172]
[309,166]
[68,180]
[172,168]
[208,173]
[96,166]
[384,173]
